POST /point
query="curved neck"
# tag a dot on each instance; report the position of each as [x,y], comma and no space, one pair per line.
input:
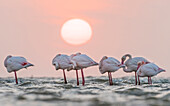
[125,56]
[138,67]
[128,55]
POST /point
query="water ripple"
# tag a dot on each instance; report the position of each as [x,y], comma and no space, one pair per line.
[52,91]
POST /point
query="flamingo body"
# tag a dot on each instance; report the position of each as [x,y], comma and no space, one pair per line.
[149,70]
[132,65]
[15,63]
[109,64]
[81,61]
[62,61]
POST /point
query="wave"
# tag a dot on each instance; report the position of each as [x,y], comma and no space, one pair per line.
[97,91]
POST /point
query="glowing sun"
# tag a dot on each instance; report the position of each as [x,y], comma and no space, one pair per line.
[76,31]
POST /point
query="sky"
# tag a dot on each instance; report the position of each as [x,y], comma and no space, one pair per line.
[31,28]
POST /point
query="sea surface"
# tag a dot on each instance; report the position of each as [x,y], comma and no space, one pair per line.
[47,91]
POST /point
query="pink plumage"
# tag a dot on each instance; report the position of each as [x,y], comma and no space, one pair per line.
[109,64]
[81,61]
[148,70]
[15,63]
[131,64]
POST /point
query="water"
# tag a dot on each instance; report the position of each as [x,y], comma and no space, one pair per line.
[96,92]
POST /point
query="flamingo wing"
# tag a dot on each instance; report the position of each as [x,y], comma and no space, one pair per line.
[109,65]
[132,63]
[15,63]
[62,62]
[148,69]
[83,61]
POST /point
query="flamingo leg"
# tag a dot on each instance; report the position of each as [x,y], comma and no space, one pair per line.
[65,80]
[138,80]
[83,81]
[111,82]
[109,78]
[150,81]
[16,77]
[77,77]
[135,78]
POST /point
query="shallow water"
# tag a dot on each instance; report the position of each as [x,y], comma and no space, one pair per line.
[96,92]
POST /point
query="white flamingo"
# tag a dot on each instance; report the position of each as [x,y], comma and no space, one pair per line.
[148,70]
[109,64]
[131,64]
[62,61]
[15,63]
[81,61]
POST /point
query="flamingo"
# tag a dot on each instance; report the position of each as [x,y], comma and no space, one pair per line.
[148,70]
[15,63]
[131,64]
[81,61]
[62,61]
[109,64]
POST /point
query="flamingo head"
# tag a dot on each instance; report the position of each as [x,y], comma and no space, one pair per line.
[78,53]
[123,59]
[105,57]
[147,62]
[121,66]
[143,62]
[140,63]
[56,65]
[9,56]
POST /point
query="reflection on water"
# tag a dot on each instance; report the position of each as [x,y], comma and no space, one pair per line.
[96,92]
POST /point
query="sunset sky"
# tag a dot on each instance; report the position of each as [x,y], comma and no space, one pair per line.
[31,28]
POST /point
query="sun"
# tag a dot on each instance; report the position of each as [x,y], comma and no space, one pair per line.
[76,31]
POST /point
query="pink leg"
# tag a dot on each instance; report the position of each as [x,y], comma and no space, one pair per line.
[111,82]
[135,78]
[150,81]
[77,77]
[109,78]
[16,77]
[83,81]
[64,77]
[138,80]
